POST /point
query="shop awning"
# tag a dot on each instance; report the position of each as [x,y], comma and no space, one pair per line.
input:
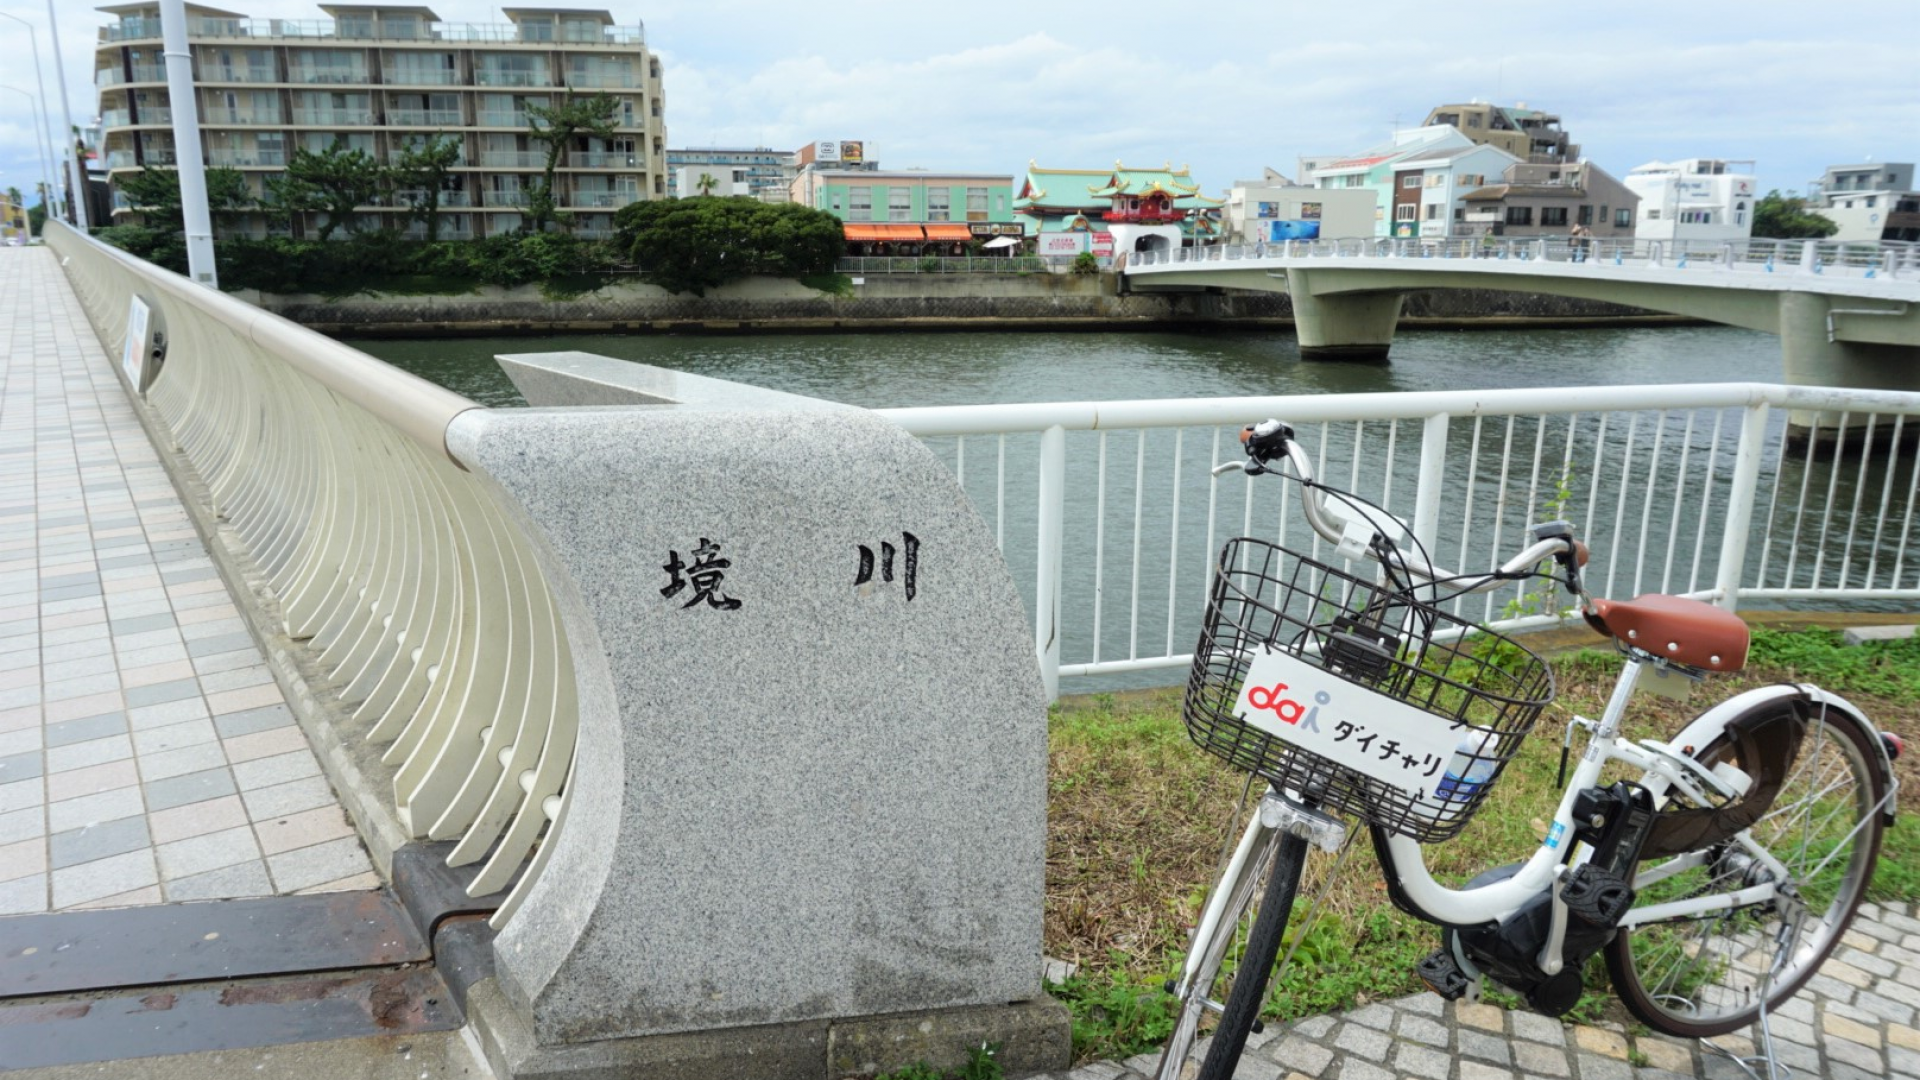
[883,232]
[949,232]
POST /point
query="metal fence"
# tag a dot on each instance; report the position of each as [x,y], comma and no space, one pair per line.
[398,575]
[936,264]
[1110,520]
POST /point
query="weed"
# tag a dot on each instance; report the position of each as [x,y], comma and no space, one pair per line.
[1637,1058]
[917,1071]
[982,1064]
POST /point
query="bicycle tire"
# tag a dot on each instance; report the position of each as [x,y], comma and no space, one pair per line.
[1705,976]
[1276,884]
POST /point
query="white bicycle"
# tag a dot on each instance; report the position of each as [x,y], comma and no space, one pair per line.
[1716,883]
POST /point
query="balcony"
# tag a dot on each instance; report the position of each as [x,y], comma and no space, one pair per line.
[334,117]
[155,114]
[162,158]
[328,76]
[488,118]
[421,77]
[601,81]
[513,159]
[142,73]
[114,118]
[120,159]
[133,29]
[504,198]
[447,199]
[484,77]
[224,116]
[247,158]
[623,160]
[602,200]
[212,74]
[424,118]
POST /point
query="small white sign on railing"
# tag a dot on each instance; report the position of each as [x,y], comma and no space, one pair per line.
[1377,736]
[133,355]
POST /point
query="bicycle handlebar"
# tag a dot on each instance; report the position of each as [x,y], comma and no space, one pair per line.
[1272,439]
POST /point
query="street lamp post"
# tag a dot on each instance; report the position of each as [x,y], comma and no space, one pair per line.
[77,205]
[46,133]
[46,174]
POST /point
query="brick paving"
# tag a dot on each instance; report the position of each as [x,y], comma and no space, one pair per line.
[1855,1020]
[146,754]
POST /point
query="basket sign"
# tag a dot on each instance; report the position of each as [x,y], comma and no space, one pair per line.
[1323,714]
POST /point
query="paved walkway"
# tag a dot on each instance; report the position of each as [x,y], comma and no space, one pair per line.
[1856,1020]
[146,754]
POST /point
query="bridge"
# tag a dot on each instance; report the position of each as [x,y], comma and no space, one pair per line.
[1846,314]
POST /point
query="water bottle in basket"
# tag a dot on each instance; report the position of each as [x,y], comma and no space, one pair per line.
[1471,767]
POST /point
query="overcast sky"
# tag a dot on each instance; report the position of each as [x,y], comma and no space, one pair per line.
[1226,87]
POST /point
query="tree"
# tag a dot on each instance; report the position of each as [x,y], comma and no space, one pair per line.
[691,245]
[706,183]
[424,166]
[156,194]
[554,127]
[1786,217]
[337,182]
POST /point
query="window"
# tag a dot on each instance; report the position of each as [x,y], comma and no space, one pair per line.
[976,204]
[1404,212]
[1433,211]
[1473,120]
[1552,216]
[1696,217]
[1519,215]
[899,204]
[1622,219]
[1459,213]
[1653,214]
[860,204]
[939,204]
[1411,180]
[1586,213]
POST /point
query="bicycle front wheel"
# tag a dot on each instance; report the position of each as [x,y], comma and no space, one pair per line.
[1236,964]
[1709,973]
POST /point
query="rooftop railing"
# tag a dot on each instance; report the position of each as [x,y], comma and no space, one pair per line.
[140,29]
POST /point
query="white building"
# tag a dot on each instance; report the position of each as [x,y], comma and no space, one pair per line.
[1696,199]
[724,180]
[1273,209]
[1400,195]
[1870,202]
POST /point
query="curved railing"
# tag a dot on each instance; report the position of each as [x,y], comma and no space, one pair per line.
[411,599]
[1884,259]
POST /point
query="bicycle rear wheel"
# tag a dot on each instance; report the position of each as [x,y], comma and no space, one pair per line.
[1236,964]
[1709,974]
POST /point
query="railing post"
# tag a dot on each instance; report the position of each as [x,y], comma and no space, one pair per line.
[1740,496]
[1052,529]
[1810,256]
[1431,489]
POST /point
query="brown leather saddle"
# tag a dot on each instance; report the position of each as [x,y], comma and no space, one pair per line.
[1688,632]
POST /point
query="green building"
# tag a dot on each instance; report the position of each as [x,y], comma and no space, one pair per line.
[890,211]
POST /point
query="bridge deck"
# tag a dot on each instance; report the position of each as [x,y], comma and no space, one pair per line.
[146,754]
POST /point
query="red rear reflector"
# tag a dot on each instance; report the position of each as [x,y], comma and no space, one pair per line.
[1895,745]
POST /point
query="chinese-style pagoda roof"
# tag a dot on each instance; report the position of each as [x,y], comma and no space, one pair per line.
[1075,190]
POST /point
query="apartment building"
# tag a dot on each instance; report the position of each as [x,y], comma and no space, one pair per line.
[1549,200]
[1531,135]
[1870,202]
[380,78]
[761,172]
[1696,199]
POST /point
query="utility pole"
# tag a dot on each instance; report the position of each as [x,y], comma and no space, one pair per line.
[186,143]
[77,206]
[46,113]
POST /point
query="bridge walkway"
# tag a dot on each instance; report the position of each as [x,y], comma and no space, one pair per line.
[146,754]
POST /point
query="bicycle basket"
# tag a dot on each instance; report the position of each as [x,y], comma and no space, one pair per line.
[1460,698]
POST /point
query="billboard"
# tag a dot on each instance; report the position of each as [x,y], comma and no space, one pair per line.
[1062,243]
[1278,231]
[826,150]
[852,153]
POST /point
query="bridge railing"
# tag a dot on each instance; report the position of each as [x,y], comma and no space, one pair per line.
[403,591]
[1886,259]
[1107,514]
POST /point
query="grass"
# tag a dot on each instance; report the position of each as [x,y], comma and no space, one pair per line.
[1138,817]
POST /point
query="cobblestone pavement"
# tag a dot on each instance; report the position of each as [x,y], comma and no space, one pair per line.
[1854,1020]
[146,754]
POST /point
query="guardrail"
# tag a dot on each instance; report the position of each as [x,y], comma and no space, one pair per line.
[938,264]
[1107,511]
[1888,259]
[399,577]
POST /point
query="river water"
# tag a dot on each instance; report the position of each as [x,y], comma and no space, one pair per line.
[1652,528]
[890,370]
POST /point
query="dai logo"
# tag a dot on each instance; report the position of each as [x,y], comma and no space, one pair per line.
[1289,711]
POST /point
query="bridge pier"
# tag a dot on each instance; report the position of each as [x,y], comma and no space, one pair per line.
[1341,326]
[1811,356]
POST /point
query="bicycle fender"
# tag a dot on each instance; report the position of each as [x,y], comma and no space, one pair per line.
[1710,725]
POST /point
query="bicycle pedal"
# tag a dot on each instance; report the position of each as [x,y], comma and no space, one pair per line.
[1596,897]
[1442,974]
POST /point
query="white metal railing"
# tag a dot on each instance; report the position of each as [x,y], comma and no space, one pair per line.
[377,29]
[1882,259]
[253,158]
[584,159]
[602,200]
[514,159]
[424,117]
[498,118]
[328,75]
[360,117]
[583,80]
[503,198]
[941,264]
[211,115]
[397,574]
[491,77]
[214,73]
[1701,490]
[399,76]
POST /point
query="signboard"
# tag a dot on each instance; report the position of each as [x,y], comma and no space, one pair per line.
[1372,734]
[1310,211]
[852,153]
[133,354]
[1062,243]
[1278,231]
[826,150]
[1103,244]
[1267,210]
[998,229]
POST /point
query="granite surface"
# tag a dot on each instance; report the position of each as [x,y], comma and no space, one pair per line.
[811,777]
